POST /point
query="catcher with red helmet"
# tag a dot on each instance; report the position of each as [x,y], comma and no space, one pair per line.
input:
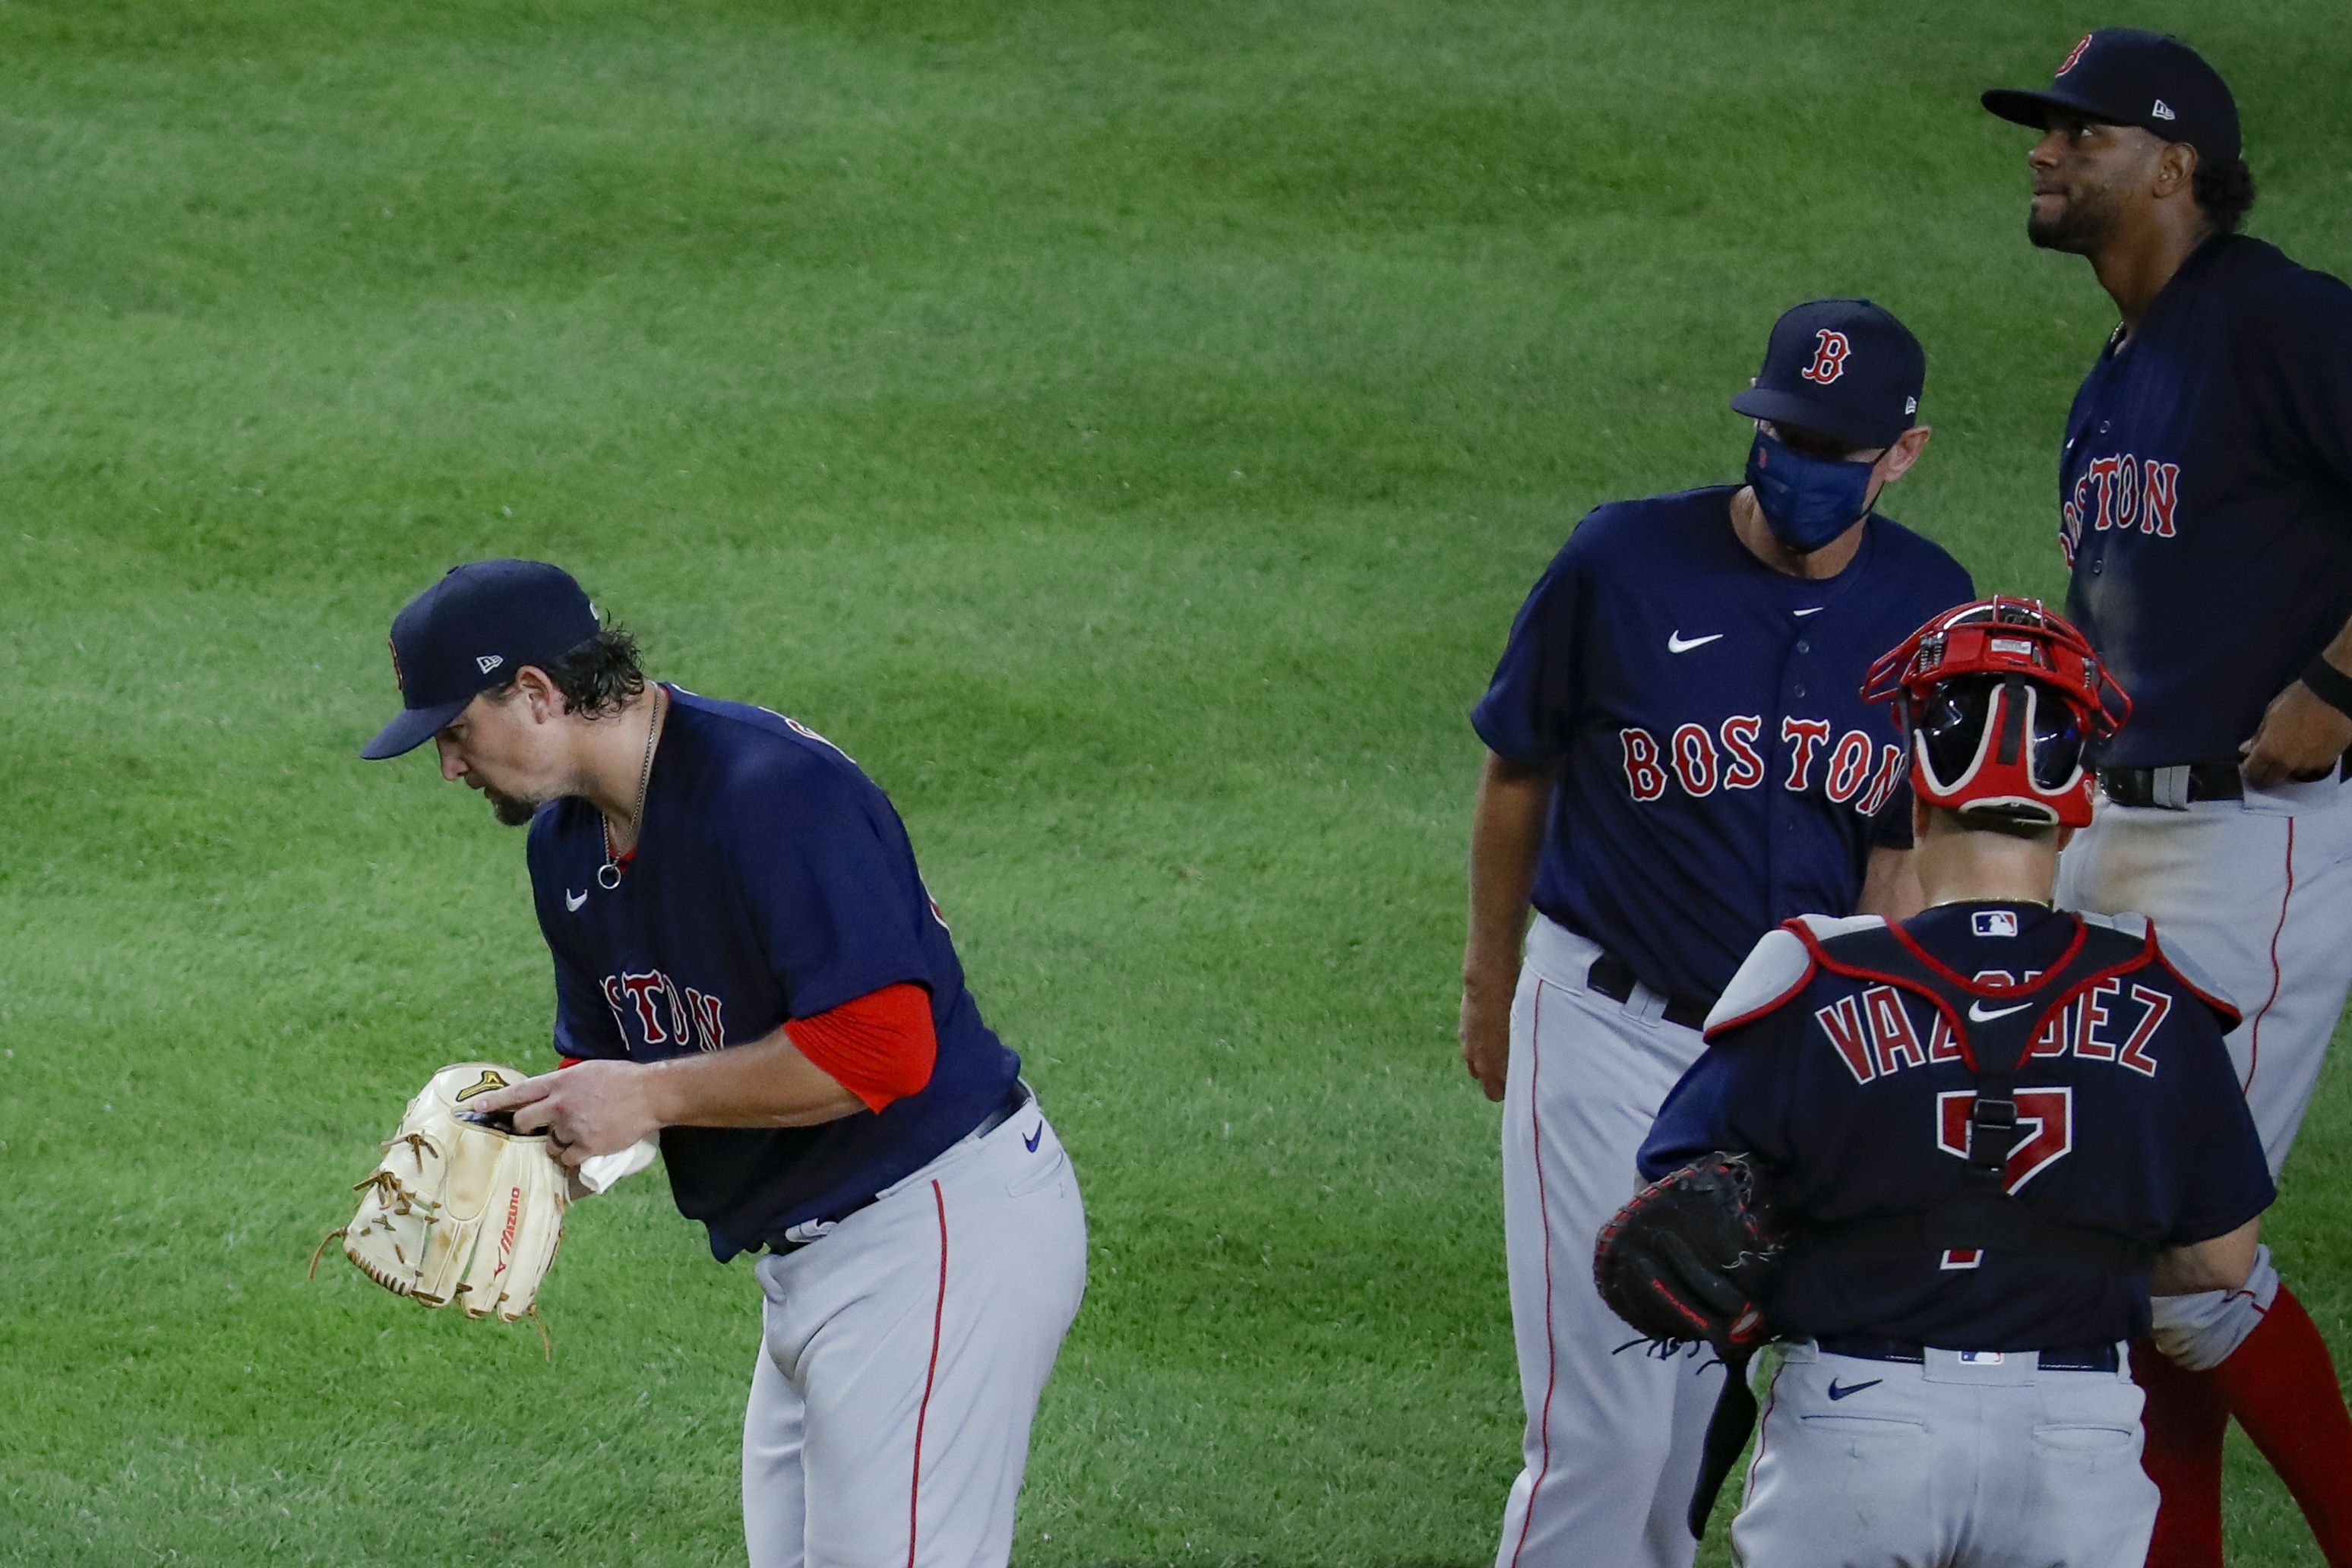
[1990,1132]
[1996,701]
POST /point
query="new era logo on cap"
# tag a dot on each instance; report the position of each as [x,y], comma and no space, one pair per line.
[1846,369]
[530,612]
[2125,76]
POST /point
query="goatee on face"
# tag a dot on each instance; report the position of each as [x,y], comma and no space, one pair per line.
[2079,227]
[511,810]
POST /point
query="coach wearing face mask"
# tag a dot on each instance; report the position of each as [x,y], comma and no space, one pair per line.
[1678,759]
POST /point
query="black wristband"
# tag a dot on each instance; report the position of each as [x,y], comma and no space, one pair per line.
[2329,684]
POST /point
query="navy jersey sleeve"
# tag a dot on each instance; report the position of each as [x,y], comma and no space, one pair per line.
[1529,713]
[2296,349]
[1732,1099]
[2225,1177]
[827,881]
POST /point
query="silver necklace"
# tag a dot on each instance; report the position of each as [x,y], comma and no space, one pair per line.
[608,875]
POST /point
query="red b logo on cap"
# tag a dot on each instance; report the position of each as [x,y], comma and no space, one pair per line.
[1830,349]
[2075,57]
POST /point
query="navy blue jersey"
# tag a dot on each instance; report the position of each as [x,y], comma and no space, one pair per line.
[772,880]
[2206,491]
[1717,771]
[2130,1123]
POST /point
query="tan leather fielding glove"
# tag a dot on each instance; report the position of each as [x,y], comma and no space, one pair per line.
[460,1210]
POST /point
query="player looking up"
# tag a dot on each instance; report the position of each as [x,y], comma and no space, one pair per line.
[1677,761]
[2205,494]
[748,964]
[1995,1127]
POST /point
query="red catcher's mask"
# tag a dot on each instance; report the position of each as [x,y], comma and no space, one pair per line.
[1996,701]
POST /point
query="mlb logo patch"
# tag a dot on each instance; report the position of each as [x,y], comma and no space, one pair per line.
[1994,922]
[1980,1358]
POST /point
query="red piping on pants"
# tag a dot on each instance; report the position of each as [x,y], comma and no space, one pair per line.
[938,1317]
[2255,1041]
[1552,1352]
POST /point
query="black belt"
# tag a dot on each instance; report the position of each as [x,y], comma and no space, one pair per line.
[2174,787]
[1612,977]
[1019,1095]
[2066,1358]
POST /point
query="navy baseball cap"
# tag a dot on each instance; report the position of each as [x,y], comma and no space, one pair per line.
[2126,77]
[470,633]
[1843,368]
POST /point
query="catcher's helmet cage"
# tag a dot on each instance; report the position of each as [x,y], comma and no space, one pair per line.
[1996,701]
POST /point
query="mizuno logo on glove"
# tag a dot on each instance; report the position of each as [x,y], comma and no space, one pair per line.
[489,1080]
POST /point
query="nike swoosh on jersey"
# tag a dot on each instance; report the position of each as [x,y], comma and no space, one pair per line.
[1677,643]
[1977,1014]
[1816,610]
[572,900]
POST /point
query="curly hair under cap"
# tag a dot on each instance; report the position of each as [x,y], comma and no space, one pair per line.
[2224,193]
[597,677]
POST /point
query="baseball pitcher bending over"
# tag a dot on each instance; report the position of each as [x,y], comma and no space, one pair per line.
[749,968]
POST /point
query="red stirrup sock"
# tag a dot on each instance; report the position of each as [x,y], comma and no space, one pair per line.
[2184,1420]
[2281,1386]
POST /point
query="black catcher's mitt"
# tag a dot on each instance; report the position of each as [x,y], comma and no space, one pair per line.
[1689,1259]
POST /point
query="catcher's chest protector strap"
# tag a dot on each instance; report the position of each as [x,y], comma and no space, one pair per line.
[1983,1215]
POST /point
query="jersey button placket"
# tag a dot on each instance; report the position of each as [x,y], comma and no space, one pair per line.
[1786,804]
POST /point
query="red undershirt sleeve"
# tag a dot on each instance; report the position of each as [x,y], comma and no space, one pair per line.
[881,1047]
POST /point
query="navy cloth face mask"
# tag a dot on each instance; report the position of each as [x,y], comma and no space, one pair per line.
[1806,501]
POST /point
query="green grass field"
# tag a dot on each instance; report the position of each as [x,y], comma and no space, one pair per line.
[1128,431]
